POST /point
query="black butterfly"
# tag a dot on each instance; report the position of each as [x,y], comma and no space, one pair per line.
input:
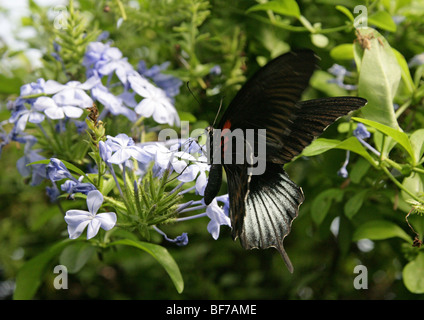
[262,207]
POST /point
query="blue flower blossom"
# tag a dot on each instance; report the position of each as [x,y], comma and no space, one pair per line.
[416,60]
[71,187]
[218,218]
[340,72]
[181,240]
[78,220]
[343,170]
[114,104]
[33,88]
[54,111]
[170,84]
[123,148]
[22,115]
[56,171]
[195,170]
[72,93]
[155,103]
[362,133]
[37,171]
[215,70]
[102,59]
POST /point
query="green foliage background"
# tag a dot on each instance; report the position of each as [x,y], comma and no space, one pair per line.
[194,36]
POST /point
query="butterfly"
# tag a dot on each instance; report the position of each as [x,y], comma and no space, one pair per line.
[263,206]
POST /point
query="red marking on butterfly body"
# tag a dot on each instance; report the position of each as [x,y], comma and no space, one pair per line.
[225,129]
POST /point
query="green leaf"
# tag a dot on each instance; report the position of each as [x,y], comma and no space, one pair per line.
[413,184]
[382,20]
[397,135]
[417,143]
[30,274]
[342,52]
[346,12]
[358,171]
[73,168]
[186,116]
[283,7]
[413,274]
[322,203]
[161,255]
[353,205]
[379,77]
[75,256]
[380,230]
[405,74]
[322,145]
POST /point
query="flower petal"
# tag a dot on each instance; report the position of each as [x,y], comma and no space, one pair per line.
[94,201]
[72,112]
[93,228]
[43,103]
[52,86]
[107,220]
[119,156]
[55,113]
[145,108]
[75,231]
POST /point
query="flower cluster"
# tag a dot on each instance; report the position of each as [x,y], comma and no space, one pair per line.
[49,104]
[124,158]
[130,177]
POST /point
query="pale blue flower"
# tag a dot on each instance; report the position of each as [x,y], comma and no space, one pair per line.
[114,104]
[416,60]
[340,72]
[189,169]
[72,93]
[33,88]
[218,218]
[37,171]
[170,84]
[105,151]
[215,70]
[343,170]
[181,240]
[56,111]
[22,115]
[362,133]
[78,220]
[56,171]
[157,105]
[123,148]
[105,60]
[72,186]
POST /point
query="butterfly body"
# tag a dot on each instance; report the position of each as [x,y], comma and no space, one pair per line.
[263,205]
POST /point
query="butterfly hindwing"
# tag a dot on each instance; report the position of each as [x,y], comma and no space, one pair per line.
[262,207]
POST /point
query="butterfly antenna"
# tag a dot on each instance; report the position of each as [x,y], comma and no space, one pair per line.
[188,87]
[219,110]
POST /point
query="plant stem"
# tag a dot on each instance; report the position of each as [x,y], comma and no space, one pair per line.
[400,186]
